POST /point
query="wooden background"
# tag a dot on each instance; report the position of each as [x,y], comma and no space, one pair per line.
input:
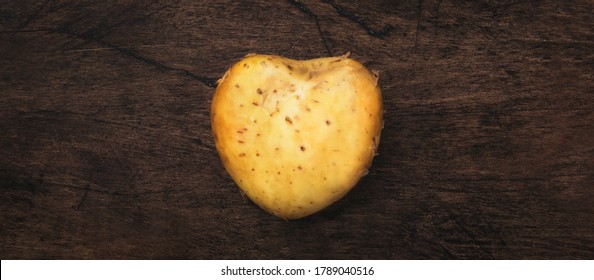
[106,150]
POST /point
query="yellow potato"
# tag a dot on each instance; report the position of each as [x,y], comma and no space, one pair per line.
[294,135]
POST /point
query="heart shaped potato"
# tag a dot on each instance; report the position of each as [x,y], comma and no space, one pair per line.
[296,135]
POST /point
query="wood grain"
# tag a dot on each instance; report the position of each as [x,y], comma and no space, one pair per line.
[106,150]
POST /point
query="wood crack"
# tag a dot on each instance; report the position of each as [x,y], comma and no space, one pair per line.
[83,199]
[316,19]
[210,82]
[418,24]
[361,21]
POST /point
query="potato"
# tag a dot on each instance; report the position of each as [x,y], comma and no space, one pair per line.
[294,135]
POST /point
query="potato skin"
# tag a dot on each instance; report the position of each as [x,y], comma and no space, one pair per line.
[296,136]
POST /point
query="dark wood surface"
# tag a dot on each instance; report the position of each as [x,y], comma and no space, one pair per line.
[106,149]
